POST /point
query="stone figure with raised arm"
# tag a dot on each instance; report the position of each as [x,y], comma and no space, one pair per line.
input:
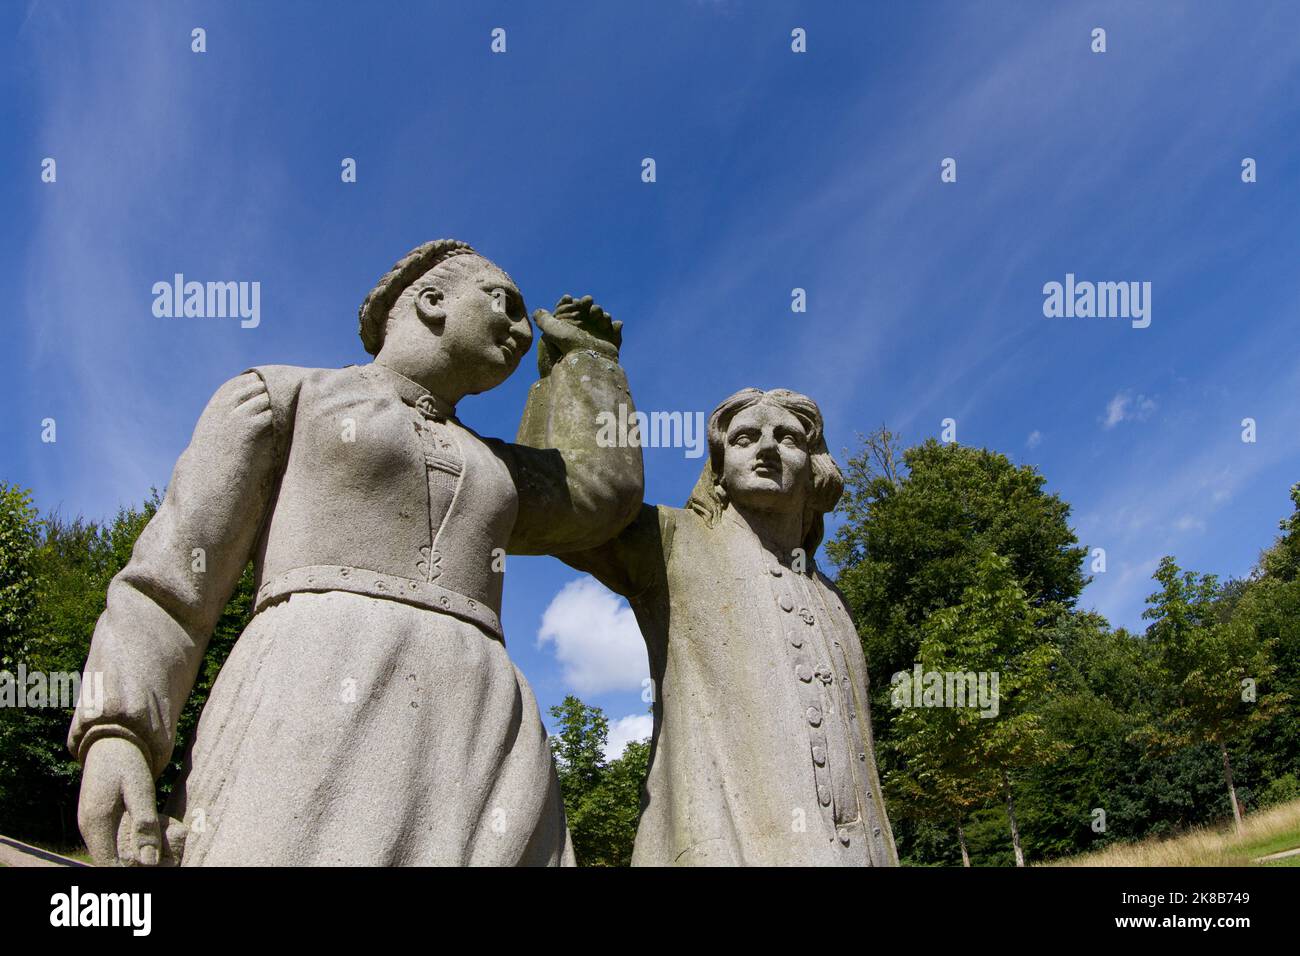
[369,712]
[762,751]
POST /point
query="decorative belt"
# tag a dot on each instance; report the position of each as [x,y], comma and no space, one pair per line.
[425,594]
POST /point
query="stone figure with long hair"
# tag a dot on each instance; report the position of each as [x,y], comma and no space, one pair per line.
[762,751]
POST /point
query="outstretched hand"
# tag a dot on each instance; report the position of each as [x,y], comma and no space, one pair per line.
[576,324]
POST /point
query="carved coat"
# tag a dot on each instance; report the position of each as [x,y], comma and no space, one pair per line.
[762,750]
[369,713]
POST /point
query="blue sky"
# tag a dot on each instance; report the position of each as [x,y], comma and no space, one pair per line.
[775,170]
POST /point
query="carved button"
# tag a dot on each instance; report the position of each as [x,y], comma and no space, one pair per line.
[843,834]
[775,570]
[795,639]
[876,830]
[819,756]
[862,756]
[806,615]
[824,795]
[814,716]
[801,671]
[787,605]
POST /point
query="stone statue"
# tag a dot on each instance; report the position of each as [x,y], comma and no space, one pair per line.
[369,713]
[762,750]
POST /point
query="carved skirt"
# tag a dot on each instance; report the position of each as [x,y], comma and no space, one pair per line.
[349,730]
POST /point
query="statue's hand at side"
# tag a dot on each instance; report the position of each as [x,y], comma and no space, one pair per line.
[116,781]
[576,324]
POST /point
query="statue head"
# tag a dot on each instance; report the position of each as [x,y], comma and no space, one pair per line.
[767,452]
[446,306]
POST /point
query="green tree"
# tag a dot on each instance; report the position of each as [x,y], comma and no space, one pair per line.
[1281,562]
[20,532]
[917,524]
[933,781]
[579,746]
[962,751]
[1098,787]
[1216,664]
[72,565]
[1274,592]
[602,799]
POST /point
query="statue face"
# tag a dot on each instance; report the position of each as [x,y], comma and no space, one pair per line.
[765,465]
[480,320]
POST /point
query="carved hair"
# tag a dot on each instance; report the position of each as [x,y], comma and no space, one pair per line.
[374,310]
[826,484]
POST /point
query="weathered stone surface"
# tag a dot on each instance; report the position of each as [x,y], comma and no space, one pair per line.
[369,713]
[762,750]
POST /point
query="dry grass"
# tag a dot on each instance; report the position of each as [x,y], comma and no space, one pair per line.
[1267,831]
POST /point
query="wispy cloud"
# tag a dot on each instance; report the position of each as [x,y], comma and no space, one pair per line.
[125,112]
[1127,407]
[1187,474]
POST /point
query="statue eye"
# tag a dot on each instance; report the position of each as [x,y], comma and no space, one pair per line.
[742,441]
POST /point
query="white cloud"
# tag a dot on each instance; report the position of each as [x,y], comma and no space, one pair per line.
[596,639]
[626,730]
[1035,439]
[1126,407]
[1199,472]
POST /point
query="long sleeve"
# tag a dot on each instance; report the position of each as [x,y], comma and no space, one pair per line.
[632,563]
[163,605]
[573,493]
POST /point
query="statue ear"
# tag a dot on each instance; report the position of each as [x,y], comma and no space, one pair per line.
[426,306]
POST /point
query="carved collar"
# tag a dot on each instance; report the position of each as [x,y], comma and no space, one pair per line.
[769,548]
[415,394]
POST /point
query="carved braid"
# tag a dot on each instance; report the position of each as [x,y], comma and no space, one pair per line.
[374,310]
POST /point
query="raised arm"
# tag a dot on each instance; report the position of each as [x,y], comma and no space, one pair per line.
[163,605]
[577,488]
[632,563]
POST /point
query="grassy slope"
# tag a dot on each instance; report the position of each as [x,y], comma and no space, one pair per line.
[1267,831]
